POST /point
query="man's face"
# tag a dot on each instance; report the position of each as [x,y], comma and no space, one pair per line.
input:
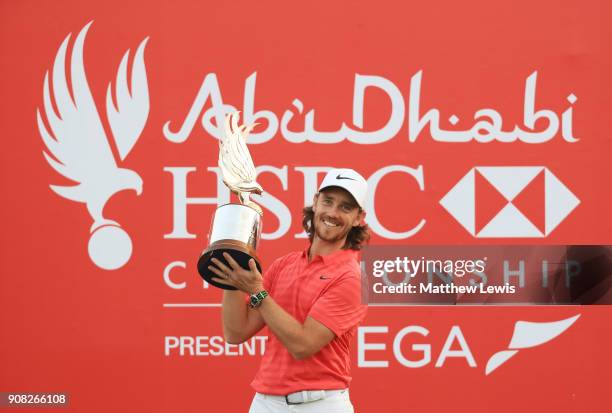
[335,214]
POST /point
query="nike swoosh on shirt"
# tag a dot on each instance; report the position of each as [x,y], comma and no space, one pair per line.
[324,277]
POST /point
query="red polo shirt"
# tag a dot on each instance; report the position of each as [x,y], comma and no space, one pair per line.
[327,289]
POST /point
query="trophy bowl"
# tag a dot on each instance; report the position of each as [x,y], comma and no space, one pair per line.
[235,229]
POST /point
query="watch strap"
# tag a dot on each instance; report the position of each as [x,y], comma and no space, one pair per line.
[257,298]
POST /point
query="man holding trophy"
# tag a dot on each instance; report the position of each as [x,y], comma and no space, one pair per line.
[310,300]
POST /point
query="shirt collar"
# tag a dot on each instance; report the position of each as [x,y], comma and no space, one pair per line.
[335,257]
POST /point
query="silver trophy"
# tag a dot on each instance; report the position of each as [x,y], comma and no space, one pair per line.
[235,228]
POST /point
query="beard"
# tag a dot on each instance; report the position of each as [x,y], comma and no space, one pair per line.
[329,234]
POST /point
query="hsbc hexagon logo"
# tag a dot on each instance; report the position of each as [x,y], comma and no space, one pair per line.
[510,202]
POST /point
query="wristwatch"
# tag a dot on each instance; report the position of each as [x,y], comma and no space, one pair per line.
[257,298]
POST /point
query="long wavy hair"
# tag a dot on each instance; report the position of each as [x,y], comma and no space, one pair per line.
[355,240]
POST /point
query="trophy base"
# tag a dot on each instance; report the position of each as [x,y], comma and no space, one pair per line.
[239,251]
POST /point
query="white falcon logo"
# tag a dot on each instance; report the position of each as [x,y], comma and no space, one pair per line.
[78,149]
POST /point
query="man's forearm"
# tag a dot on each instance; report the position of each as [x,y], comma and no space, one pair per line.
[287,329]
[235,316]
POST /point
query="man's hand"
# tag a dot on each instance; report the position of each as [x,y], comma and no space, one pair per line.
[250,282]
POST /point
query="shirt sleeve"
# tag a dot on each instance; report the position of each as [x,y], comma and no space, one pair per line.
[339,308]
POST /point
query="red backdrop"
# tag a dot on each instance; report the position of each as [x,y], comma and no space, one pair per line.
[101,335]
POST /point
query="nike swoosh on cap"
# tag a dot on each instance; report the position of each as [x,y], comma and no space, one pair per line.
[345,177]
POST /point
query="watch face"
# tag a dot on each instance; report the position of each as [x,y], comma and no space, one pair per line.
[254,300]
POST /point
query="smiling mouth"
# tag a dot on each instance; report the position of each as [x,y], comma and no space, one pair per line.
[329,224]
